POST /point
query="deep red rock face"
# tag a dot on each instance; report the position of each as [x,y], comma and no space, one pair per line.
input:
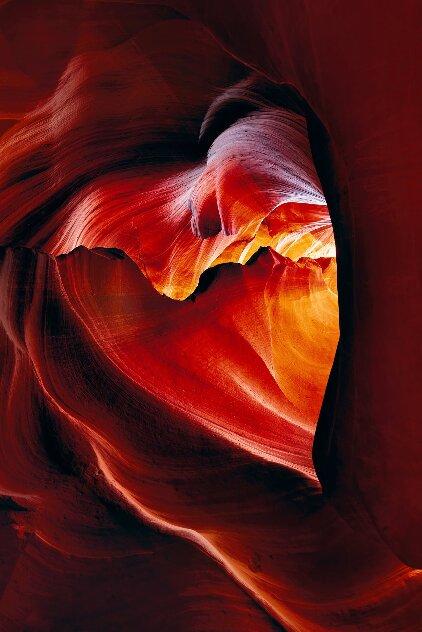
[199,432]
